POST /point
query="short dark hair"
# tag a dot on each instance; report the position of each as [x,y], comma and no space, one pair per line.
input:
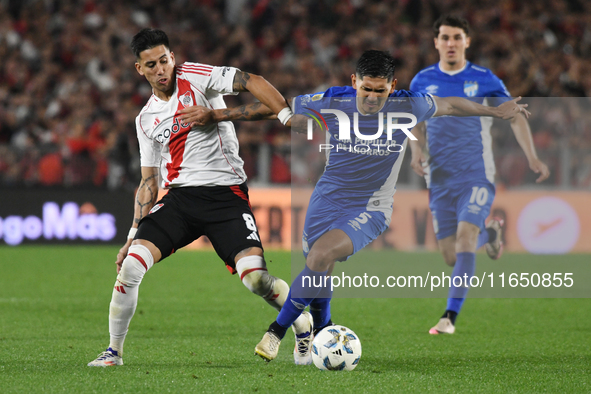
[453,21]
[375,64]
[146,39]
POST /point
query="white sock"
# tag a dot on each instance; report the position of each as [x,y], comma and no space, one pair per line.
[253,273]
[125,294]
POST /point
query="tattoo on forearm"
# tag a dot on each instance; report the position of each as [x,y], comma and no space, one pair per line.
[149,198]
[240,80]
[249,112]
[256,111]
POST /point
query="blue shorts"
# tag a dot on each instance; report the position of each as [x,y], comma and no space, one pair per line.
[467,202]
[361,226]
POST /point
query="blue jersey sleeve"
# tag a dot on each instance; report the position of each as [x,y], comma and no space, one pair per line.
[423,106]
[317,101]
[497,93]
[313,101]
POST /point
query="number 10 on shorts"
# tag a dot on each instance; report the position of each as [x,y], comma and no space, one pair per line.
[479,195]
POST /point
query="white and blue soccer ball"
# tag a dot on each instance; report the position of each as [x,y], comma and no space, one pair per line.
[336,348]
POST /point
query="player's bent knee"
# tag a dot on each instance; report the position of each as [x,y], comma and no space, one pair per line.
[320,260]
[253,273]
[135,265]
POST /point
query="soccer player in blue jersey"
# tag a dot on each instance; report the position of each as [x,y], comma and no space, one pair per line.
[351,204]
[460,169]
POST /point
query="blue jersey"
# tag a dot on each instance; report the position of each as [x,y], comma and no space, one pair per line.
[362,173]
[460,148]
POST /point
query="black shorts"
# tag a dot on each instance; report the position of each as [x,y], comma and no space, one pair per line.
[222,213]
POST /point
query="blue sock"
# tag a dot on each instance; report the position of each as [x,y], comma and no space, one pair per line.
[304,289]
[486,235]
[320,307]
[465,265]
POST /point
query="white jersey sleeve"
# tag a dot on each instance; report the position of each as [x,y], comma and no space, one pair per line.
[209,78]
[150,150]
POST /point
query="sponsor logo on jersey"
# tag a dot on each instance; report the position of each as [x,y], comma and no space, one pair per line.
[156,122]
[431,89]
[156,207]
[224,72]
[317,97]
[470,88]
[186,100]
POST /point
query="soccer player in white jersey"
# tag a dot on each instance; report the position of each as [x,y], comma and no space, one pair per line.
[460,168]
[200,167]
[353,182]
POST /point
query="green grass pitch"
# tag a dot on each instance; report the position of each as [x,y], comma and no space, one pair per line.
[196,327]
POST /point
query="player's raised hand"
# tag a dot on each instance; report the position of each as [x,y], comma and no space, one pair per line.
[539,167]
[196,115]
[122,254]
[510,108]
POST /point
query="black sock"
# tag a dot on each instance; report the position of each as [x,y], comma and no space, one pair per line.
[451,315]
[277,329]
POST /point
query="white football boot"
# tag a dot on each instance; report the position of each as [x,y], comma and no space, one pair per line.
[303,341]
[494,249]
[445,326]
[107,358]
[268,347]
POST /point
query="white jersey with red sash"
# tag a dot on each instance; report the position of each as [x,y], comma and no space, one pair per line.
[198,156]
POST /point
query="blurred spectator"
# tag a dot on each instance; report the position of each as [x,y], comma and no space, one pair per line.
[69,93]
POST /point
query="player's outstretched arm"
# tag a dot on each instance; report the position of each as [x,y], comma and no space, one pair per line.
[198,115]
[264,92]
[522,132]
[457,106]
[416,147]
[145,198]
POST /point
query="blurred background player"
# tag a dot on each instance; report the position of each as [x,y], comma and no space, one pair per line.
[460,169]
[203,172]
[356,187]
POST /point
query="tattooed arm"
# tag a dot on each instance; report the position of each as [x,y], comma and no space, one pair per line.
[201,116]
[261,89]
[145,198]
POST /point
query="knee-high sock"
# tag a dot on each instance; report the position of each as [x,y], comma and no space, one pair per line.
[254,275]
[320,307]
[465,265]
[125,294]
[306,287]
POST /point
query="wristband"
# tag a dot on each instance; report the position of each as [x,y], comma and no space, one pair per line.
[285,115]
[131,233]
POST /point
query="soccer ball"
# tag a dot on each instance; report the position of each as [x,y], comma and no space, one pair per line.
[336,348]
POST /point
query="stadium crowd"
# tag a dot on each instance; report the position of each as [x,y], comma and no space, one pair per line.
[69,93]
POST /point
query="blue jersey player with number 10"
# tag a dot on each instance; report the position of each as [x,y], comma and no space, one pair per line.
[460,169]
[352,202]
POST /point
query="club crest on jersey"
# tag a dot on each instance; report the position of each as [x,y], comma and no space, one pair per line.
[470,88]
[186,100]
[156,207]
